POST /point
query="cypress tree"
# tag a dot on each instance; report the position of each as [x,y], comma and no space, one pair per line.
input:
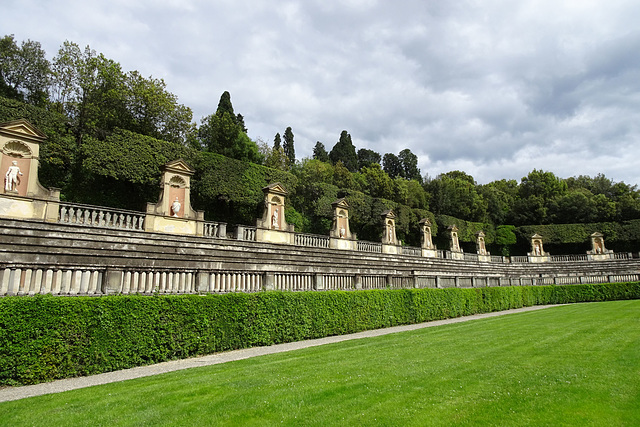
[345,152]
[289,150]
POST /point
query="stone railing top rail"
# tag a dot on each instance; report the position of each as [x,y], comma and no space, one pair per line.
[100,208]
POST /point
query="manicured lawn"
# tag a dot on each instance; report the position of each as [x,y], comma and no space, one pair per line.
[570,365]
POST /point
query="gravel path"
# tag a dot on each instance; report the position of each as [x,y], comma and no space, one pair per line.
[15,393]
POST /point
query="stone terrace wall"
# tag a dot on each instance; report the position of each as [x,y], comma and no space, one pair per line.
[63,259]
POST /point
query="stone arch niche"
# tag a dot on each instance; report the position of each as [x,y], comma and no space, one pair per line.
[537,253]
[455,250]
[340,234]
[481,248]
[598,251]
[273,227]
[429,250]
[23,196]
[173,212]
[389,239]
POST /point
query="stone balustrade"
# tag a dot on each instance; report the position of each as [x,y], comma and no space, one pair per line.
[411,251]
[31,280]
[215,229]
[312,240]
[96,216]
[25,280]
[564,258]
[364,246]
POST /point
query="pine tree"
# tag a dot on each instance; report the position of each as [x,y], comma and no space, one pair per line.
[289,150]
[277,142]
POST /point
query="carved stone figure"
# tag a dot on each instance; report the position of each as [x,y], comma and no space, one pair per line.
[342,232]
[274,219]
[11,177]
[536,249]
[175,207]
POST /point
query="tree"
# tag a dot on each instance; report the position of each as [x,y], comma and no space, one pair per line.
[500,196]
[367,157]
[320,153]
[379,184]
[155,111]
[277,142]
[409,163]
[91,90]
[392,165]
[456,194]
[342,178]
[289,150]
[240,120]
[24,71]
[220,133]
[225,106]
[345,152]
[542,184]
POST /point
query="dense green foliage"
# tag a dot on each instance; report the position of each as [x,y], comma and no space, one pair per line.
[231,190]
[44,337]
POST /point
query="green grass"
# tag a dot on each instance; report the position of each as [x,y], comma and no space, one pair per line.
[568,365]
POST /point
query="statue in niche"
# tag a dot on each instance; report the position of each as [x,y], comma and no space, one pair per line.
[598,244]
[536,249]
[274,219]
[175,207]
[482,249]
[342,232]
[11,177]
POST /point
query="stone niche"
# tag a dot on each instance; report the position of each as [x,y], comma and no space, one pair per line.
[340,236]
[481,248]
[454,244]
[173,212]
[429,250]
[537,253]
[598,252]
[22,196]
[389,239]
[272,227]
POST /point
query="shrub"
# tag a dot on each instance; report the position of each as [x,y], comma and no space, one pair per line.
[43,338]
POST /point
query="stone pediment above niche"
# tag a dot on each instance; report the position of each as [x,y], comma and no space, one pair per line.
[340,203]
[275,188]
[179,167]
[22,129]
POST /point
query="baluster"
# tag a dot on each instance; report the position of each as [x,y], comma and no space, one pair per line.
[63,214]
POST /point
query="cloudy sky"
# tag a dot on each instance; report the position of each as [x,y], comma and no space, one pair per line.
[493,88]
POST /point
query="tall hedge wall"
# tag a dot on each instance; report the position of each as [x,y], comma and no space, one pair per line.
[575,238]
[231,190]
[44,338]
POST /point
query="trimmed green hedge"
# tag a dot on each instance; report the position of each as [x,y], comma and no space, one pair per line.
[43,338]
[620,236]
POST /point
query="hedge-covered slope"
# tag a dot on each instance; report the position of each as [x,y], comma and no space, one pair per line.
[44,338]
